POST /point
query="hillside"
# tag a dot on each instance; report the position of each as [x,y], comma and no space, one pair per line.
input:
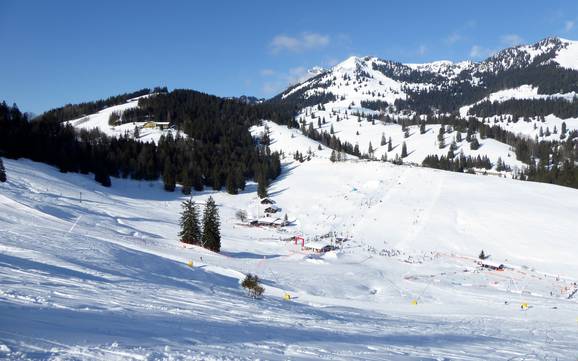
[100,121]
[528,91]
[73,250]
[518,107]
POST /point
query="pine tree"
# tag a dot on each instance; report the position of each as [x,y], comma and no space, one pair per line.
[230,183]
[406,133]
[370,149]
[403,150]
[190,227]
[474,144]
[383,141]
[389,146]
[333,156]
[169,176]
[211,237]
[441,140]
[186,184]
[422,128]
[459,136]
[101,175]
[262,182]
[2,172]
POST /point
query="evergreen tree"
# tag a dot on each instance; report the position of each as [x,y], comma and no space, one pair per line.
[333,156]
[389,146]
[262,184]
[186,183]
[169,178]
[101,176]
[403,150]
[190,227]
[383,141]
[211,237]
[231,183]
[422,128]
[441,139]
[2,172]
[474,144]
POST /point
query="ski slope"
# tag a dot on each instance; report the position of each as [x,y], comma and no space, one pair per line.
[363,133]
[100,119]
[97,273]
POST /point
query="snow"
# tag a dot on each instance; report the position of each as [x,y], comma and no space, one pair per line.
[106,278]
[355,80]
[522,92]
[443,67]
[100,121]
[530,128]
[363,132]
[568,57]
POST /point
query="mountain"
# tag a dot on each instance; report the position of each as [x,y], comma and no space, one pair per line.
[525,92]
[418,87]
[513,114]
[249,99]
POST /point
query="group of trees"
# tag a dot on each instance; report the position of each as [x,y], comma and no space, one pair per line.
[549,161]
[448,98]
[460,163]
[217,151]
[561,108]
[209,236]
[72,111]
[329,140]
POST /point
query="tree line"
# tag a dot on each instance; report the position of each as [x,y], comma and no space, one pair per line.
[73,111]
[218,152]
[561,108]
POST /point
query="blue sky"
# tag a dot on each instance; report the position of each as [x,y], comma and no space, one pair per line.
[57,52]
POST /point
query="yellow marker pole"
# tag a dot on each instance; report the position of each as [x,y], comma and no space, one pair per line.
[190,264]
[524,306]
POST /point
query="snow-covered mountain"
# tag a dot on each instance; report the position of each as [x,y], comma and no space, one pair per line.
[371,78]
[354,97]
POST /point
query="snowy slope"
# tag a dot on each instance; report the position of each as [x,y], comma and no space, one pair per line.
[100,121]
[532,127]
[370,86]
[88,272]
[567,57]
[364,132]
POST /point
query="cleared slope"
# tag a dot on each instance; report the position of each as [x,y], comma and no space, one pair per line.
[100,121]
[105,278]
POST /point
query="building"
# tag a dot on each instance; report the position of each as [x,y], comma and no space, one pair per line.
[319,247]
[272,209]
[268,222]
[267,201]
[156,125]
[491,265]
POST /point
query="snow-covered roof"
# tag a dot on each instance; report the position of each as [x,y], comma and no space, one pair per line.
[317,244]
